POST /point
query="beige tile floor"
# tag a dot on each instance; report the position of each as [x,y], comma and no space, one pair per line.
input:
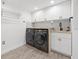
[28,52]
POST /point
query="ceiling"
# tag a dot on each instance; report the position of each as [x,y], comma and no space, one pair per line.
[29,5]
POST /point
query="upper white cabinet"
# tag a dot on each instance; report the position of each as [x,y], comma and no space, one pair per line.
[61,42]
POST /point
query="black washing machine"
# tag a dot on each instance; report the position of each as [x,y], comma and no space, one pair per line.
[41,39]
[38,38]
[30,36]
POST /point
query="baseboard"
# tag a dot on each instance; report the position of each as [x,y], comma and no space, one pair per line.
[8,50]
[61,53]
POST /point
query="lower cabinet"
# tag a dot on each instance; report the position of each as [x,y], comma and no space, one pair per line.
[61,42]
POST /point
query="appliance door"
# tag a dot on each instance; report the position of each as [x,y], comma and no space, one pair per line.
[41,41]
[29,36]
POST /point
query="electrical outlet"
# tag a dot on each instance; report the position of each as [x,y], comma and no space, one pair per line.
[3,42]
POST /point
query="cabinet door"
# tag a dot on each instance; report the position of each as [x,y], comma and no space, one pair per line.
[53,41]
[65,43]
[61,42]
[66,46]
[58,43]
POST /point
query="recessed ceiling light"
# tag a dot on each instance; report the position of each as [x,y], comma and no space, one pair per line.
[36,8]
[51,1]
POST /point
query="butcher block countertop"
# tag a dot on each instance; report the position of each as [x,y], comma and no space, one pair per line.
[68,32]
[61,32]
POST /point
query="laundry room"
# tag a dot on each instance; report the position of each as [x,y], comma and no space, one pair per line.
[39,29]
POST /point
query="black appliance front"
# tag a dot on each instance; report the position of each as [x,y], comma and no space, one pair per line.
[29,36]
[41,39]
[38,38]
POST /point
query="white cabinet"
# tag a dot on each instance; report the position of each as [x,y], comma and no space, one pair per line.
[61,42]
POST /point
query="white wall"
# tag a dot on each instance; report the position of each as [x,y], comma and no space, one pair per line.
[75,29]
[13,30]
[60,10]
[13,35]
[26,17]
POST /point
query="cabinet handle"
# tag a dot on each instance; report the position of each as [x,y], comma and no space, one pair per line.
[59,39]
